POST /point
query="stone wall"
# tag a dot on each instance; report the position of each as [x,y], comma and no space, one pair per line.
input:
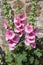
[1,24]
[25,5]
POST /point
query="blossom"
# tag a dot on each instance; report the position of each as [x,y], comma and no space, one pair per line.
[35,31]
[13,42]
[9,34]
[30,35]
[21,27]
[28,28]
[19,22]
[33,45]
[29,39]
[19,30]
[11,45]
[5,24]
[22,18]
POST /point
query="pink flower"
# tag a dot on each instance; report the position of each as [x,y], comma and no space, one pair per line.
[19,22]
[5,24]
[11,48]
[22,18]
[33,45]
[30,35]
[21,34]
[35,31]
[29,39]
[28,28]
[27,42]
[9,34]
[13,42]
[16,38]
[19,29]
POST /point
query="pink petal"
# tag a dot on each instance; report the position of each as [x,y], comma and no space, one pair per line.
[27,43]
[18,24]
[11,45]
[33,45]
[5,24]
[16,21]
[22,17]
[16,38]
[11,49]
[9,34]
[20,34]
[28,28]
[17,30]
[35,31]
[29,37]
[30,40]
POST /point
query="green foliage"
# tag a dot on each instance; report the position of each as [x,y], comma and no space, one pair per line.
[8,58]
[36,62]
[8,13]
[22,55]
[32,16]
[28,47]
[38,53]
[20,58]
[31,60]
[19,9]
[7,10]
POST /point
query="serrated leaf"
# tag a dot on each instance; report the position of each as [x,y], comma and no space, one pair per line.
[28,47]
[21,57]
[36,62]
[38,53]
[31,60]
[8,58]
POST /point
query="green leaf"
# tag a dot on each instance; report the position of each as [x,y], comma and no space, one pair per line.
[38,53]
[28,47]
[36,62]
[21,57]
[31,59]
[8,57]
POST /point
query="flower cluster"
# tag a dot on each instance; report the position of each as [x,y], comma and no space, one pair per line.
[19,22]
[30,35]
[22,27]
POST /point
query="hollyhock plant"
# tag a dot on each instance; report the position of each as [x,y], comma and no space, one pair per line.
[19,23]
[35,31]
[22,18]
[13,42]
[21,35]
[28,28]
[13,36]
[19,20]
[9,34]
[5,24]
[30,35]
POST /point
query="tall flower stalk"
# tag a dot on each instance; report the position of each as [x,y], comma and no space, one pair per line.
[8,12]
[21,39]
[33,10]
